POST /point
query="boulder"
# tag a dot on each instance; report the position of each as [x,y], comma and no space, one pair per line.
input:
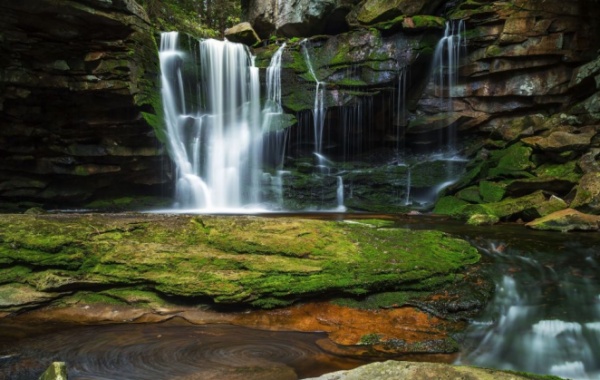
[301,18]
[561,141]
[242,33]
[56,371]
[566,220]
[391,370]
[587,193]
[369,12]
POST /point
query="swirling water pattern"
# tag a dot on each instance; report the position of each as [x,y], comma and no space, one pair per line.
[170,351]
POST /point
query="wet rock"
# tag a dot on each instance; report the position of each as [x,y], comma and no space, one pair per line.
[293,19]
[242,33]
[56,371]
[164,253]
[589,162]
[482,220]
[566,220]
[14,297]
[369,12]
[391,370]
[69,63]
[559,141]
[587,193]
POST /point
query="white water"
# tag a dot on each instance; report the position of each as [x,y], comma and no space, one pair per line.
[272,113]
[446,60]
[319,104]
[216,129]
[546,321]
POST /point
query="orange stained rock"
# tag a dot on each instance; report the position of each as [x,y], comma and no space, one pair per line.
[346,326]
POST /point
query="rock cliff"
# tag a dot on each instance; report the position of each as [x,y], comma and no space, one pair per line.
[78,98]
[523,103]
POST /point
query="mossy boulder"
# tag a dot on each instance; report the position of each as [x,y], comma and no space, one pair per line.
[514,161]
[370,12]
[229,260]
[566,220]
[587,193]
[527,207]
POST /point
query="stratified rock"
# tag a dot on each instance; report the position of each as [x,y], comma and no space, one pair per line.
[560,141]
[77,88]
[56,371]
[393,370]
[566,220]
[231,260]
[242,33]
[14,297]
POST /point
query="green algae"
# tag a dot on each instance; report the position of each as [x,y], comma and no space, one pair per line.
[256,261]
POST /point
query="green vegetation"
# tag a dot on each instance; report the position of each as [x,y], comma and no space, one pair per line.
[256,261]
[199,18]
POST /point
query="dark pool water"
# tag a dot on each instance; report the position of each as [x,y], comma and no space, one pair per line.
[171,350]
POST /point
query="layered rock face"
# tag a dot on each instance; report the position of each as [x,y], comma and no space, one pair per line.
[524,103]
[78,95]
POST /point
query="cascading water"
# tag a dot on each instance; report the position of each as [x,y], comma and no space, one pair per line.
[446,60]
[216,143]
[545,315]
[319,105]
[272,113]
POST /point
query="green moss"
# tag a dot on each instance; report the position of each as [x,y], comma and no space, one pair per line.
[482,219]
[449,205]
[256,261]
[469,194]
[428,22]
[567,171]
[381,300]
[14,274]
[370,339]
[493,51]
[514,161]
[491,191]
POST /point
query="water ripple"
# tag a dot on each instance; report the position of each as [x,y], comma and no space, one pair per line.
[163,351]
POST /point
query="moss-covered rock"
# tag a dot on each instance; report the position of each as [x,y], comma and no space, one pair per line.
[566,220]
[587,193]
[514,161]
[257,261]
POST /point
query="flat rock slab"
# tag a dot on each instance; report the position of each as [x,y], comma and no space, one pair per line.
[263,262]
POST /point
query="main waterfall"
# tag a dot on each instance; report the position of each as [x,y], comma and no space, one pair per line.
[213,125]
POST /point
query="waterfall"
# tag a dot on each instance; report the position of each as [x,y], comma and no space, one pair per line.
[272,113]
[340,194]
[319,109]
[401,114]
[446,61]
[214,137]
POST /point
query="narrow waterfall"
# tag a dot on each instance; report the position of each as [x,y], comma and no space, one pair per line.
[272,113]
[214,130]
[401,111]
[340,194]
[319,109]
[446,60]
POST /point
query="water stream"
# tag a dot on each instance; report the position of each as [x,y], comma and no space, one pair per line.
[545,316]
